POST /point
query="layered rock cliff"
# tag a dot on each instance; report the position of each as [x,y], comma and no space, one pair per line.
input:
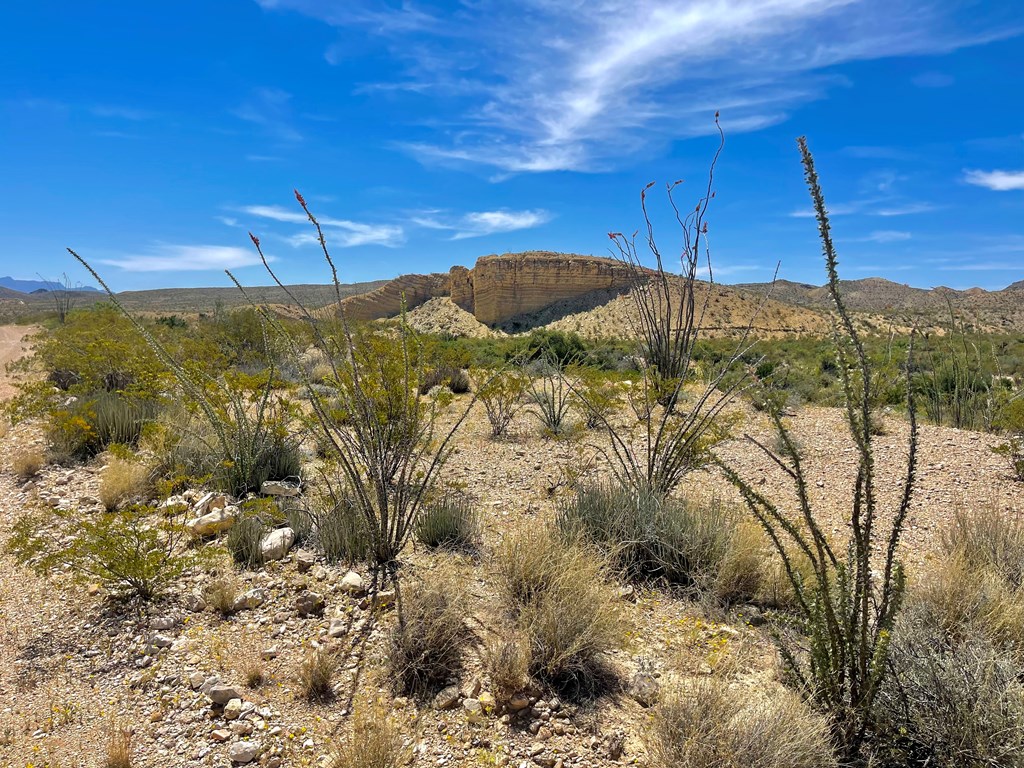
[498,287]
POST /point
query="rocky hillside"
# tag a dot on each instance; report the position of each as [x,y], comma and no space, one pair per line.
[989,310]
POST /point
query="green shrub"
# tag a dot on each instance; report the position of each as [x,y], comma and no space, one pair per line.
[1013,450]
[710,725]
[341,530]
[954,699]
[428,640]
[244,540]
[450,521]
[134,552]
[95,421]
[649,536]
[501,394]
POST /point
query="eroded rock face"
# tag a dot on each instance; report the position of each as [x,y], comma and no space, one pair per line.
[518,283]
[386,301]
[498,288]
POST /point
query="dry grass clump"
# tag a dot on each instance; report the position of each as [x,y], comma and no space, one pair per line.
[119,747]
[377,741]
[710,725]
[564,608]
[988,537]
[316,673]
[508,665]
[27,462]
[254,673]
[426,645]
[221,594]
[651,536]
[741,571]
[122,481]
[957,597]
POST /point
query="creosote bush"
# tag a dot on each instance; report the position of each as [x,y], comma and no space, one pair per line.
[564,609]
[426,646]
[710,725]
[551,397]
[376,741]
[450,521]
[135,552]
[501,394]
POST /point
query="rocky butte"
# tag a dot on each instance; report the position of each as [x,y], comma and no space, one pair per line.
[499,287]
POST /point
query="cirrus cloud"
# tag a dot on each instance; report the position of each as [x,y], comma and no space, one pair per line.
[167,257]
[997,181]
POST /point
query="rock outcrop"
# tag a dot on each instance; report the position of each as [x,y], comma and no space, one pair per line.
[386,301]
[498,288]
[519,283]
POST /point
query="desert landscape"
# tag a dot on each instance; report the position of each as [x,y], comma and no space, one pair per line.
[261,628]
[520,384]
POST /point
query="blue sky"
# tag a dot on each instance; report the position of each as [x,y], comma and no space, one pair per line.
[151,136]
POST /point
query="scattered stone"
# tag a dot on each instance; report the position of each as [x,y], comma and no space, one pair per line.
[352,583]
[194,602]
[280,488]
[304,560]
[487,700]
[309,604]
[338,628]
[162,623]
[270,653]
[233,709]
[222,694]
[243,752]
[645,689]
[474,710]
[519,701]
[447,698]
[248,600]
[221,735]
[212,523]
[276,544]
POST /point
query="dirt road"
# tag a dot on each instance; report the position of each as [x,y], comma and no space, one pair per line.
[13,345]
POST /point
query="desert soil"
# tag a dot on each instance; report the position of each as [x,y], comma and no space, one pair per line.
[69,666]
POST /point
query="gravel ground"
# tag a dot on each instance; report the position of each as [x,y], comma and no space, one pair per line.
[70,665]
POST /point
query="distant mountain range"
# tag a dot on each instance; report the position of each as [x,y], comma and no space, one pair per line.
[32,286]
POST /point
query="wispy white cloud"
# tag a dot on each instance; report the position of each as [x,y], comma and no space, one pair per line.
[482,223]
[228,221]
[270,108]
[167,257]
[998,181]
[342,232]
[875,207]
[981,266]
[549,85]
[122,113]
[884,236]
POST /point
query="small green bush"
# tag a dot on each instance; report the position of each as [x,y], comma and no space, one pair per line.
[501,394]
[650,536]
[244,541]
[551,398]
[134,552]
[450,521]
[1013,450]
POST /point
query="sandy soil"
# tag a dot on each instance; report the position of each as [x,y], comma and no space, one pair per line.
[13,345]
